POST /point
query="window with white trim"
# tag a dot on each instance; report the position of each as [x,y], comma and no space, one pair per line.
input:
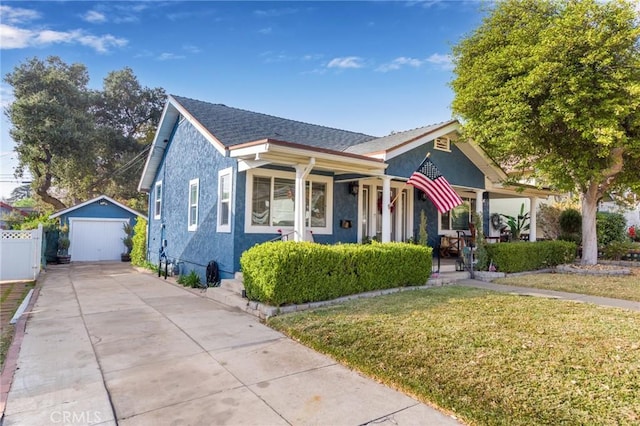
[458,219]
[270,202]
[194,185]
[157,204]
[224,200]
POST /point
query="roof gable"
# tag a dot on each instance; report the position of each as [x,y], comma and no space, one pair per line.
[86,203]
[398,143]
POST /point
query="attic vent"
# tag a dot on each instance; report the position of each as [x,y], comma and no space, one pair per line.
[442,144]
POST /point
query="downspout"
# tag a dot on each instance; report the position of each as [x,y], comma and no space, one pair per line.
[302,171]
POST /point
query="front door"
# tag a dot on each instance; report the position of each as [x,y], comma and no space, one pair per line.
[370,212]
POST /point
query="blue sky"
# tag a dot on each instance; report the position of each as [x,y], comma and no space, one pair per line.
[371,67]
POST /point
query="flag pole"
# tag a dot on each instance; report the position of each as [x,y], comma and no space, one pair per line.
[404,186]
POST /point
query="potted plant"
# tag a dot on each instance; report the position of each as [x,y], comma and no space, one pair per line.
[127,240]
[63,255]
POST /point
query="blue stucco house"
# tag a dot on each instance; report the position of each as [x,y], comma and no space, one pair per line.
[96,228]
[222,179]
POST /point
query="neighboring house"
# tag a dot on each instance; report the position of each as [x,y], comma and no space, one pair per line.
[96,228]
[7,211]
[221,180]
[630,213]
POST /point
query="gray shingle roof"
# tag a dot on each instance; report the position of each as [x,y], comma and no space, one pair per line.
[393,140]
[232,126]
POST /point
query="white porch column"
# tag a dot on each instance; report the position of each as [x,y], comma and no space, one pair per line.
[479,202]
[302,171]
[533,214]
[386,211]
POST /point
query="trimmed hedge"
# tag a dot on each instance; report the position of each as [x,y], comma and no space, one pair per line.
[530,256]
[285,272]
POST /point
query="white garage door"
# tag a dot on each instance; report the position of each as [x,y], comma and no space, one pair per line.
[96,239]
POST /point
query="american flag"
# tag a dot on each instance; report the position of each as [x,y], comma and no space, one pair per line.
[429,180]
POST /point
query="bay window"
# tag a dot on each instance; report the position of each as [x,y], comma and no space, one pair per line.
[271,201]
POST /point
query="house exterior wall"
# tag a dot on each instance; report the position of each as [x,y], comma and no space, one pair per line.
[454,166]
[190,156]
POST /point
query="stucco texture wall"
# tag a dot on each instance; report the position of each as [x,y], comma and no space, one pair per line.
[190,156]
[454,166]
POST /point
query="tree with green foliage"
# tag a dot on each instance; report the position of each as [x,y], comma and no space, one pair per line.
[19,193]
[554,86]
[77,142]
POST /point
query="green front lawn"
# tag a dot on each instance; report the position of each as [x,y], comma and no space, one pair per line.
[488,358]
[625,287]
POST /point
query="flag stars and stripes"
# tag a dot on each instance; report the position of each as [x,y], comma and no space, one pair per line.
[429,180]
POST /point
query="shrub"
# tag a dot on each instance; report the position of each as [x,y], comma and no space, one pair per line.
[610,227]
[615,250]
[190,280]
[139,249]
[521,256]
[279,273]
[570,221]
[549,221]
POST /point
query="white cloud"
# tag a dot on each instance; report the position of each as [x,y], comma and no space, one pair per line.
[18,38]
[51,37]
[267,30]
[271,13]
[103,43]
[312,57]
[346,62]
[191,48]
[399,62]
[17,15]
[14,38]
[166,56]
[444,61]
[94,17]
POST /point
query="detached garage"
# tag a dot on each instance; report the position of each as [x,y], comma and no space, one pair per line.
[96,228]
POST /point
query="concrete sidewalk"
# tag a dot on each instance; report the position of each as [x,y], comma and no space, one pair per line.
[527,291]
[106,344]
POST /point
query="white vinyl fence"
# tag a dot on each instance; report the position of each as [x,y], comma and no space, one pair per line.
[20,254]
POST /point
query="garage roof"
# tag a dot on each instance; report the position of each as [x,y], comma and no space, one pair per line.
[97,199]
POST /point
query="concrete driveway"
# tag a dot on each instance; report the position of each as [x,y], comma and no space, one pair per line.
[106,344]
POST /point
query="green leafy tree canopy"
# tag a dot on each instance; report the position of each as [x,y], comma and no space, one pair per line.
[77,142]
[554,86]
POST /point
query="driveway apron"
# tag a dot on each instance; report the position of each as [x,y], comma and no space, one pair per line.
[106,344]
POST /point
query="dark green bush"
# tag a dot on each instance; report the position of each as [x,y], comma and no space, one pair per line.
[610,227]
[570,226]
[570,221]
[280,273]
[528,256]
